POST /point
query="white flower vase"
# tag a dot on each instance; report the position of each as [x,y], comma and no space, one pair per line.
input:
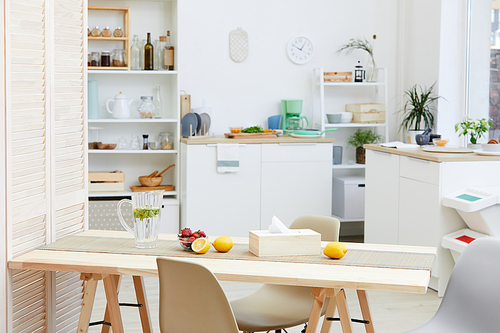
[371,71]
[474,146]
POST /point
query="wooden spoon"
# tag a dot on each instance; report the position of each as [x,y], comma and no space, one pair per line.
[153,174]
[171,166]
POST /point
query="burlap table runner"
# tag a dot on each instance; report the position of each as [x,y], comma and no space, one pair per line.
[172,248]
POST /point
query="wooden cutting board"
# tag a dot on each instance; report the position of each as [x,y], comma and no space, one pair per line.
[250,135]
[152,188]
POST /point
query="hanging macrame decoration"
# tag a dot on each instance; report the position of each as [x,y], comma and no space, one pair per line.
[238,45]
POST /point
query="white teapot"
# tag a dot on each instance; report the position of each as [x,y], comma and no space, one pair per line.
[121,108]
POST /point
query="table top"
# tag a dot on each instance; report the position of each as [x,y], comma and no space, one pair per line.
[431,156]
[279,139]
[282,273]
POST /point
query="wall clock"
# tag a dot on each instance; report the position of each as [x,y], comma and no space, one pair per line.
[300,50]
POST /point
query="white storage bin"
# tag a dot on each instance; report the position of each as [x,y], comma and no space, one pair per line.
[170,216]
[348,199]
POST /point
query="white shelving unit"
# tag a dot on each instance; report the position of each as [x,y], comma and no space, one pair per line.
[160,17]
[331,97]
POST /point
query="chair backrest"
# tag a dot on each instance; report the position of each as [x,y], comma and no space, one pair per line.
[192,300]
[472,298]
[327,226]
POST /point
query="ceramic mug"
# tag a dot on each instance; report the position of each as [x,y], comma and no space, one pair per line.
[274,122]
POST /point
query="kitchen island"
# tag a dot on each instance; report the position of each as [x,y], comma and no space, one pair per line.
[404,188]
[282,176]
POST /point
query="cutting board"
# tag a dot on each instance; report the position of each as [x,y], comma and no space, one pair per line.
[152,188]
[250,135]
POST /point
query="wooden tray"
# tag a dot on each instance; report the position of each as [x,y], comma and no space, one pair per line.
[152,188]
[250,135]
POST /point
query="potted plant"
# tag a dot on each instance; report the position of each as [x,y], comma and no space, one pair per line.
[365,45]
[360,138]
[417,110]
[474,128]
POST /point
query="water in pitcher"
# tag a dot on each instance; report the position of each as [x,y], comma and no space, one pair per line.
[147,213]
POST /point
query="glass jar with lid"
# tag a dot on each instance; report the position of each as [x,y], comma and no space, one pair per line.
[146,107]
[94,59]
[105,59]
[119,58]
[167,141]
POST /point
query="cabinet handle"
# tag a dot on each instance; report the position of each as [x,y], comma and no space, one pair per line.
[381,152]
[418,159]
[298,143]
[215,145]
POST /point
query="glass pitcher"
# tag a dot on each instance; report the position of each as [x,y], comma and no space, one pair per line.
[147,214]
[293,123]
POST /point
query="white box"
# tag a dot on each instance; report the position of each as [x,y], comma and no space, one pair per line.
[169,223]
[348,197]
[263,243]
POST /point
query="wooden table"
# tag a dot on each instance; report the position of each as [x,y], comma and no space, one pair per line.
[326,281]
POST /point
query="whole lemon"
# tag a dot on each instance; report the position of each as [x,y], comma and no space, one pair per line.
[335,250]
[223,244]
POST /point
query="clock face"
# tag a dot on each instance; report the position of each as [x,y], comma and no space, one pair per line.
[300,50]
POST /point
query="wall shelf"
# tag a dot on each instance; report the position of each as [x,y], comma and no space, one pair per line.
[132,120]
[348,166]
[145,151]
[129,72]
[355,125]
[122,194]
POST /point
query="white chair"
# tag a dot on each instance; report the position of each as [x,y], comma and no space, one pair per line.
[192,300]
[274,307]
[471,302]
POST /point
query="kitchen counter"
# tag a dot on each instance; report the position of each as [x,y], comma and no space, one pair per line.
[279,139]
[434,157]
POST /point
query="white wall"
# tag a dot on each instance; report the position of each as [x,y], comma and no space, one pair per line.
[245,94]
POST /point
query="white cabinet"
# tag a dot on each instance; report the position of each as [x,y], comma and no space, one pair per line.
[160,17]
[295,181]
[286,180]
[381,198]
[332,97]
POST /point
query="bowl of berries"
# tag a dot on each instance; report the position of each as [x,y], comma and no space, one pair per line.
[187,237]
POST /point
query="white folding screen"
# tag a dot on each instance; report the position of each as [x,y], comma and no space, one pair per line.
[44,153]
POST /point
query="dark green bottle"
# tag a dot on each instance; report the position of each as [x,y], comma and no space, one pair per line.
[148,54]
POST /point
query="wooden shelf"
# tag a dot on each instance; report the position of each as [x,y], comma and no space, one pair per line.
[111,68]
[105,70]
[138,151]
[133,120]
[123,194]
[122,39]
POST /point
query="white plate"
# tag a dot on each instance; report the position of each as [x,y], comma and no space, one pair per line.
[487,153]
[452,150]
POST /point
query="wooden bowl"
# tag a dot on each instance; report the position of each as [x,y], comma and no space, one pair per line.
[106,145]
[150,181]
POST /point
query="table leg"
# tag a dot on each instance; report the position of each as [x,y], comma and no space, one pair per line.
[140,294]
[345,317]
[319,299]
[112,304]
[87,304]
[365,310]
[330,309]
[107,318]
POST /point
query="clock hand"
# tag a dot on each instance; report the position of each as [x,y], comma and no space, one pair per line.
[297,47]
[303,46]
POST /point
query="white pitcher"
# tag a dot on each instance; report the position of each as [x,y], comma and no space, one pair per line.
[121,107]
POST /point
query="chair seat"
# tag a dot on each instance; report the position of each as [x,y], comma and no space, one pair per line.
[258,312]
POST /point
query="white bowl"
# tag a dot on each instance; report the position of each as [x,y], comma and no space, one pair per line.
[345,117]
[491,147]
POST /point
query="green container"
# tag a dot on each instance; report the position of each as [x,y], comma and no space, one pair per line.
[293,106]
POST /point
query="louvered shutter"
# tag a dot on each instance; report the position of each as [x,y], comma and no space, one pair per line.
[45,155]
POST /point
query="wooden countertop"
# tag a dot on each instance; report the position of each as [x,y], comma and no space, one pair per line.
[434,157]
[279,139]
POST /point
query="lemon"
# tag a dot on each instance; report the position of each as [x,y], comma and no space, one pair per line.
[223,244]
[335,250]
[201,245]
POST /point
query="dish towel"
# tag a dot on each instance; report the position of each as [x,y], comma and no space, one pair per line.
[228,158]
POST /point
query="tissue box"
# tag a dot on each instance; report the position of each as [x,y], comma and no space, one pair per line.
[263,243]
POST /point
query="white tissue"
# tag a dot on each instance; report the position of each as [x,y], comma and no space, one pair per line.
[278,227]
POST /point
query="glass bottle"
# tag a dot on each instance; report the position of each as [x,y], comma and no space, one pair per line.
[142,44]
[135,54]
[159,63]
[156,44]
[157,102]
[148,55]
[168,54]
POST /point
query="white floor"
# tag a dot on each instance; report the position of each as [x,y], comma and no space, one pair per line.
[391,312]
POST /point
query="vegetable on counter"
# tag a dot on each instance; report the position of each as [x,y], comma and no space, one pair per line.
[253,129]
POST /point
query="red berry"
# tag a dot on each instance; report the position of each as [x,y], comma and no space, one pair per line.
[195,234]
[186,232]
[192,239]
[202,233]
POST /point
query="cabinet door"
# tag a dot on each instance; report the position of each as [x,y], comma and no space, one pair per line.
[296,180]
[220,204]
[381,197]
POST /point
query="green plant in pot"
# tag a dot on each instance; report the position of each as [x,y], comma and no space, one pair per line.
[417,110]
[360,138]
[474,128]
